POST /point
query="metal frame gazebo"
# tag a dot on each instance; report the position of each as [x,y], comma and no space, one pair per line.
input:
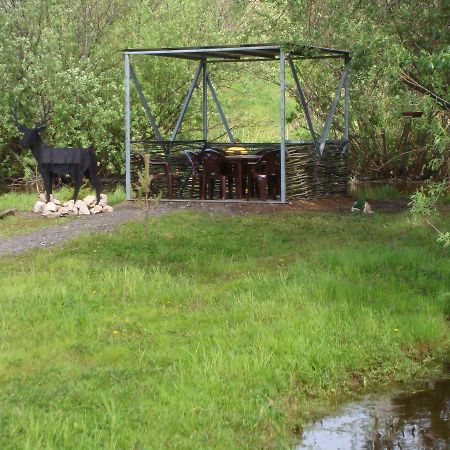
[309,168]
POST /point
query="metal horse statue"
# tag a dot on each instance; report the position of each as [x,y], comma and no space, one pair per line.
[76,162]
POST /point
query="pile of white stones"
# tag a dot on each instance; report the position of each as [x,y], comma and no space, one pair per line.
[55,208]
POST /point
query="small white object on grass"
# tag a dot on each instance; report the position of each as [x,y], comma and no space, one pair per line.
[367,209]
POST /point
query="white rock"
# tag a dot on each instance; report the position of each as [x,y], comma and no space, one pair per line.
[64,211]
[90,200]
[39,207]
[56,202]
[48,213]
[96,209]
[104,197]
[50,206]
[102,202]
[69,203]
[367,209]
[107,208]
[82,207]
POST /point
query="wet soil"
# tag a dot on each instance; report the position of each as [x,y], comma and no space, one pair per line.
[416,420]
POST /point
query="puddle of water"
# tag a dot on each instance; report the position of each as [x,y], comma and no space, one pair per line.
[385,188]
[404,421]
[3,188]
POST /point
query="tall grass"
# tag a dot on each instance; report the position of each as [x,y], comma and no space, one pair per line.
[214,332]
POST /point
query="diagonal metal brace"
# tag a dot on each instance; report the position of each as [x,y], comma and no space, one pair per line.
[301,95]
[219,108]
[186,101]
[327,126]
[145,104]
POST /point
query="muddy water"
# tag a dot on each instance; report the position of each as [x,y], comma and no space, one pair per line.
[417,420]
[400,187]
[3,188]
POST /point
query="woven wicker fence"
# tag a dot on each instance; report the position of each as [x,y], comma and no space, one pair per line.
[307,176]
[310,176]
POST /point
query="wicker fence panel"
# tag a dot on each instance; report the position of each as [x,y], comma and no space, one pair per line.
[309,176]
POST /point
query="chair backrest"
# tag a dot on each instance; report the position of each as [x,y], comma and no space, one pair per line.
[270,161]
[156,167]
[193,159]
[214,162]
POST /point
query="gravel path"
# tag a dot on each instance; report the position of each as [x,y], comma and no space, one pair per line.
[56,234]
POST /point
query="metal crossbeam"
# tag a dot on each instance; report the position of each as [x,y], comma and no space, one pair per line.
[327,126]
[148,111]
[186,102]
[304,103]
[219,108]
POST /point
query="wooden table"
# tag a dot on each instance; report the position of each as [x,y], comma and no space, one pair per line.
[240,162]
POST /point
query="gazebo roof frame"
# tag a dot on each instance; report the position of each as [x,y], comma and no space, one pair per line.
[240,53]
[247,52]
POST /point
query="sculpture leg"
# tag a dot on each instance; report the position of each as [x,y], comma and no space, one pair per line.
[77,182]
[50,186]
[97,186]
[47,184]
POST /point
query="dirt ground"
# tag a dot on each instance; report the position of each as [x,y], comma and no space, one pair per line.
[128,211]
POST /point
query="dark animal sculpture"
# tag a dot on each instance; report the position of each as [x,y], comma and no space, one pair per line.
[76,162]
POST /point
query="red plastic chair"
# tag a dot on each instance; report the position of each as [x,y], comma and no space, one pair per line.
[265,173]
[196,172]
[215,167]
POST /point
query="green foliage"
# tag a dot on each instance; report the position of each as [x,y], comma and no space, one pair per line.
[398,65]
[68,57]
[70,60]
[207,332]
[424,205]
[424,202]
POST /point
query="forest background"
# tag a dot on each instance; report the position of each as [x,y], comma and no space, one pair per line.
[66,55]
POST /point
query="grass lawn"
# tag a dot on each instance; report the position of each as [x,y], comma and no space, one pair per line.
[214,331]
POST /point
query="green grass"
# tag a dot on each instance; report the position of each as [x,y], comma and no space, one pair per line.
[254,105]
[214,331]
[24,201]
